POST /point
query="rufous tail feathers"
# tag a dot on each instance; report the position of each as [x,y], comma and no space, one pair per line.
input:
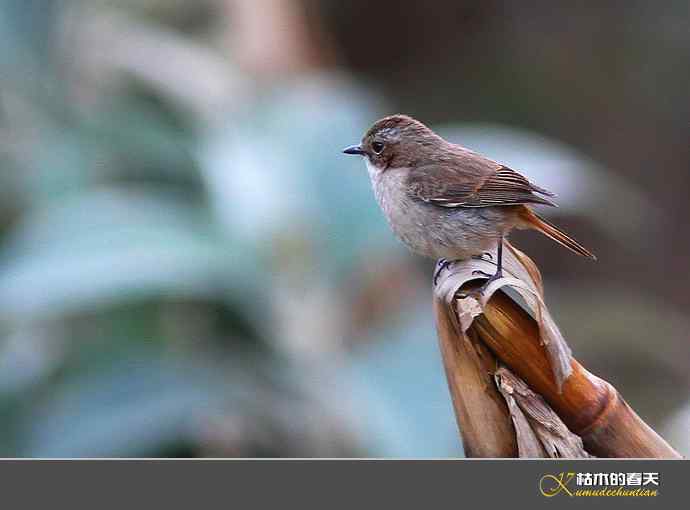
[536,222]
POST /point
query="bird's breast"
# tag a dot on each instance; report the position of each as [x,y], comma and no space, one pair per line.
[409,219]
[430,230]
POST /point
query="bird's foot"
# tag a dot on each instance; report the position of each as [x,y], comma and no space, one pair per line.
[440,266]
[481,257]
[491,278]
[481,273]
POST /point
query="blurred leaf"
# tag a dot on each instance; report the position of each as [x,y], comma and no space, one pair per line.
[111,245]
[137,405]
[399,386]
[279,169]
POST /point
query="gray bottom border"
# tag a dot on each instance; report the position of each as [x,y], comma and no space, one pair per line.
[322,483]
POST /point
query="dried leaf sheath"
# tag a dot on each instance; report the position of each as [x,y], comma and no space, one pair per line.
[539,430]
[522,276]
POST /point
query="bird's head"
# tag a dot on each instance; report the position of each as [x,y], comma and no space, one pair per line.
[397,141]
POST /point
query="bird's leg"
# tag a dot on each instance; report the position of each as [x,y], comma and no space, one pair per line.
[440,266]
[499,268]
[499,262]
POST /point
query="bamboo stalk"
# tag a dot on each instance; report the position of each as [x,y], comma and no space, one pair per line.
[590,407]
[485,423]
[475,334]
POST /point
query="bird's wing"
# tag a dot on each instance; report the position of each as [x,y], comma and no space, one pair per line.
[485,185]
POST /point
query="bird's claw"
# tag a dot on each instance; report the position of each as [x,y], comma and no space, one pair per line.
[481,256]
[491,278]
[440,266]
[481,273]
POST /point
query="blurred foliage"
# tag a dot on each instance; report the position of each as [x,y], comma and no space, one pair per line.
[156,278]
[187,265]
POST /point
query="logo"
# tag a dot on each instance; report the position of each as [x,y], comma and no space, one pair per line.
[552,485]
[572,484]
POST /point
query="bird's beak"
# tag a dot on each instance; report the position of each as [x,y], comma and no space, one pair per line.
[354,149]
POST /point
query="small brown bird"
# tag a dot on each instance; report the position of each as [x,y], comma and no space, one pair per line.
[447,202]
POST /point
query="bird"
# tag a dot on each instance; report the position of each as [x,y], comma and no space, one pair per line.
[447,202]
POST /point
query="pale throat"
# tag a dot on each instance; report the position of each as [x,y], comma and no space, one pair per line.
[374,171]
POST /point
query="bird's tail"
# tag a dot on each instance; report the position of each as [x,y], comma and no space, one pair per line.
[536,222]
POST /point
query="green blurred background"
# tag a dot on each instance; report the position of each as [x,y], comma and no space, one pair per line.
[189,266]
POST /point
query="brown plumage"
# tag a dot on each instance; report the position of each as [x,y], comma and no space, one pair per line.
[448,186]
[446,201]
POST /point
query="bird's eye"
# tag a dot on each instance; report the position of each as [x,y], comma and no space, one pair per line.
[378,147]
